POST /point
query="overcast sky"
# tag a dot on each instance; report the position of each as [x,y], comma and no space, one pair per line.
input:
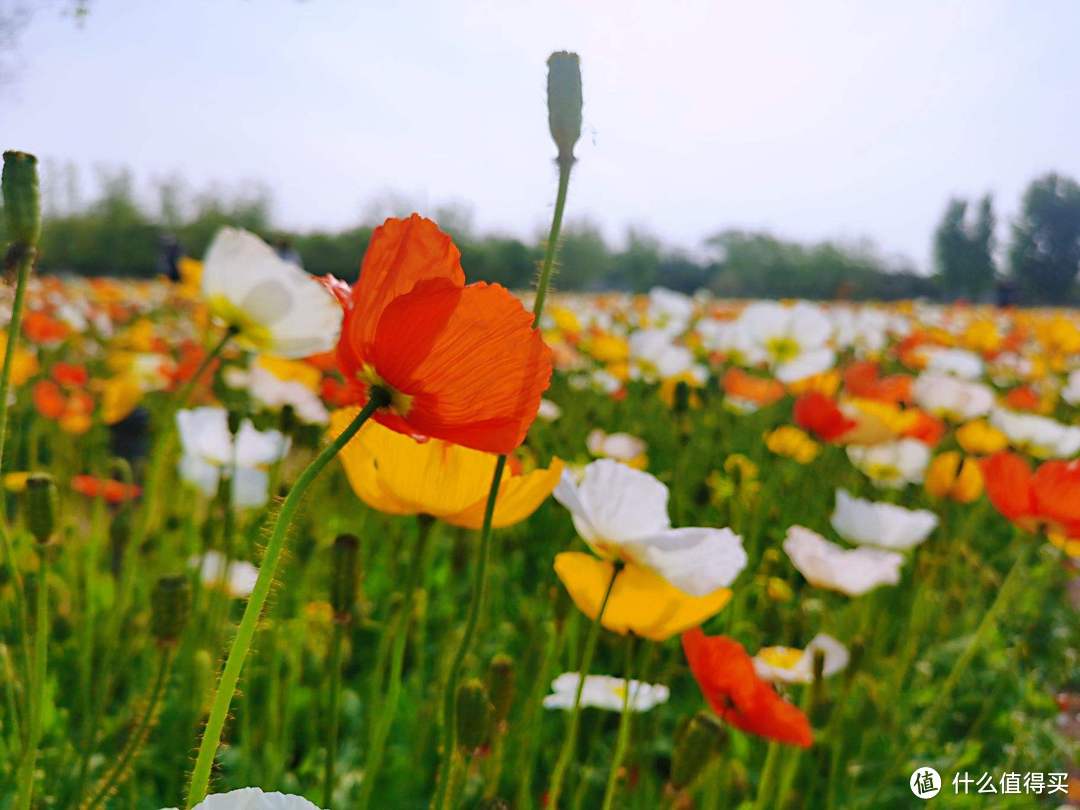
[814,119]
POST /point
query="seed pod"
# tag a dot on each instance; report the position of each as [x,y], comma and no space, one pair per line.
[41,506]
[564,102]
[170,604]
[344,576]
[22,199]
[473,715]
[700,740]
[501,686]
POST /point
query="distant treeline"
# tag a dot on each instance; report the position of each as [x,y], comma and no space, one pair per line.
[116,234]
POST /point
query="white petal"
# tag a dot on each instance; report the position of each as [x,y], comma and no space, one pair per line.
[615,503]
[696,561]
[884,525]
[827,565]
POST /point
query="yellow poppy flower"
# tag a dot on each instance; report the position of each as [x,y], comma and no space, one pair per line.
[641,602]
[396,474]
[980,438]
[827,383]
[291,370]
[791,442]
[119,397]
[24,363]
[951,475]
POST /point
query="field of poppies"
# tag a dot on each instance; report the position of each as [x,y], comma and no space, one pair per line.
[419,542]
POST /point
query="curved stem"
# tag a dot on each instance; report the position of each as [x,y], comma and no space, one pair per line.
[449,719]
[552,241]
[623,739]
[570,740]
[215,724]
[25,790]
[332,709]
[138,737]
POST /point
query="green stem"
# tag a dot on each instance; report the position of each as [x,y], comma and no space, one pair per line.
[332,709]
[569,741]
[552,241]
[449,729]
[25,780]
[768,776]
[184,394]
[400,634]
[623,739]
[14,330]
[138,738]
[215,724]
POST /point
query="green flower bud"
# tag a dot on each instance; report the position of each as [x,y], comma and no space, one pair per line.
[501,686]
[22,199]
[170,603]
[345,575]
[564,102]
[473,715]
[41,506]
[699,741]
[682,396]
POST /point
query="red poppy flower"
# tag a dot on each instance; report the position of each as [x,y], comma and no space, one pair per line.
[112,491]
[821,416]
[926,428]
[725,673]
[1023,398]
[1050,495]
[41,328]
[70,375]
[862,379]
[761,391]
[462,363]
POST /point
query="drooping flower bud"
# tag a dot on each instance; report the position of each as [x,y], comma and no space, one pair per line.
[41,506]
[501,686]
[170,604]
[344,575]
[699,741]
[473,715]
[564,102]
[22,199]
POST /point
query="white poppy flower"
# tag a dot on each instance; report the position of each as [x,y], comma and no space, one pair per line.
[275,306]
[657,357]
[794,339]
[958,362]
[274,393]
[604,692]
[892,465]
[619,446]
[952,398]
[251,798]
[239,581]
[790,665]
[622,514]
[1071,392]
[549,411]
[827,565]
[210,452]
[884,525]
[1039,435]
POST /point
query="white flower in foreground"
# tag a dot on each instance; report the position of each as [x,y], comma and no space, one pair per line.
[791,665]
[1041,436]
[240,580]
[958,362]
[622,514]
[946,396]
[892,465]
[210,452]
[251,798]
[880,524]
[794,339]
[827,565]
[619,446]
[604,692]
[275,306]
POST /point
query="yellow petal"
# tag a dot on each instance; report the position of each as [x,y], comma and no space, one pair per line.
[519,497]
[641,602]
[119,396]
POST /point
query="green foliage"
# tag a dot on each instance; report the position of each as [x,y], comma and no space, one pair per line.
[963,251]
[1045,253]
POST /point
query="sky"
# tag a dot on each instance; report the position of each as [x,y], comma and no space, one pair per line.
[816,120]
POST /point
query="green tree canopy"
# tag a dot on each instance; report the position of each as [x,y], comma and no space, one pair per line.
[1045,253]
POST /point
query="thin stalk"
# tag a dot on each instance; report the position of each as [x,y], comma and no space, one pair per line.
[570,740]
[400,631]
[25,778]
[449,730]
[138,738]
[230,675]
[22,274]
[768,776]
[552,245]
[332,709]
[623,740]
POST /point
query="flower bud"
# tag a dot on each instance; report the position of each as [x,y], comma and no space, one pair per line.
[170,604]
[345,575]
[700,740]
[41,506]
[564,102]
[22,199]
[501,686]
[473,715]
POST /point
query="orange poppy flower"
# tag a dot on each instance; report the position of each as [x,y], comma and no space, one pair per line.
[821,416]
[70,375]
[112,491]
[926,428]
[49,400]
[462,363]
[41,328]
[1023,398]
[1050,495]
[725,673]
[862,379]
[761,391]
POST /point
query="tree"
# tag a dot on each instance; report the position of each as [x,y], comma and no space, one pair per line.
[1045,253]
[963,251]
